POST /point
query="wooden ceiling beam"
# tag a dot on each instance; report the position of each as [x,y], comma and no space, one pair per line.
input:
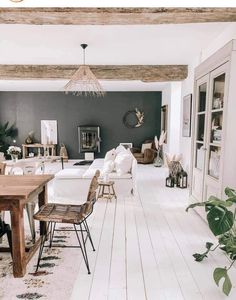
[115,16]
[146,73]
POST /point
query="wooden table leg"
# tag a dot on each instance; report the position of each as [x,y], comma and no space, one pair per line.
[18,241]
[43,200]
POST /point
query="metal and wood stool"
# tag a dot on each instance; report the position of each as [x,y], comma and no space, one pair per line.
[106,190]
[54,213]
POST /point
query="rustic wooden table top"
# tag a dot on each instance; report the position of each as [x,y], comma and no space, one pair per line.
[21,186]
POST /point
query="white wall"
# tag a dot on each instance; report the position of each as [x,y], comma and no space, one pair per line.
[174,116]
[186,142]
[171,96]
[166,100]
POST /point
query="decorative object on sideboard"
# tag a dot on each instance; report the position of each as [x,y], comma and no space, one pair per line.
[133,118]
[14,151]
[84,82]
[30,138]
[182,179]
[176,171]
[48,132]
[158,161]
[170,181]
[63,153]
[187,115]
[16,1]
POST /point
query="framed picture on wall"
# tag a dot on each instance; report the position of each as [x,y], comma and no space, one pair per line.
[49,132]
[187,115]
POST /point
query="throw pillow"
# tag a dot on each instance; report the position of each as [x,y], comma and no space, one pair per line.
[146,146]
[108,167]
[120,149]
[123,163]
[110,155]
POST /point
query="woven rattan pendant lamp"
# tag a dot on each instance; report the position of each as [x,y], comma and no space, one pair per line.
[84,82]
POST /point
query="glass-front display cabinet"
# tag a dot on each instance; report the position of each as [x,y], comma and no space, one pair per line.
[208,133]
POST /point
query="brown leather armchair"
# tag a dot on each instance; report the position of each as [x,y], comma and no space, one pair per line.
[147,157]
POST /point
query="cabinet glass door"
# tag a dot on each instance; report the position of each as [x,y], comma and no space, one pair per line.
[216,126]
[200,135]
[200,126]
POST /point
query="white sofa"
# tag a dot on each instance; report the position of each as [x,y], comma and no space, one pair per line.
[73,184]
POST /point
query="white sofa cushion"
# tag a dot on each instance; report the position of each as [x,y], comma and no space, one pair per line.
[70,173]
[120,149]
[110,155]
[108,167]
[123,163]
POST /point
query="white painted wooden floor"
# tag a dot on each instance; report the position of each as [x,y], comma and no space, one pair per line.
[144,248]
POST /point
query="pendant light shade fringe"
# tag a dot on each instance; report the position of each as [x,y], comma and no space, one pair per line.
[84,82]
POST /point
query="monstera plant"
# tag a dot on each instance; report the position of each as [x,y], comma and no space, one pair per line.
[221,216]
[7,133]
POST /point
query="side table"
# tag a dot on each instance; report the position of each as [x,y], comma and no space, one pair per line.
[106,190]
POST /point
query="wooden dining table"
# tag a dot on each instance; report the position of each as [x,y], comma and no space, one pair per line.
[15,192]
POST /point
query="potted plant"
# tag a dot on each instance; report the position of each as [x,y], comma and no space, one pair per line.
[221,218]
[158,162]
[7,133]
[14,151]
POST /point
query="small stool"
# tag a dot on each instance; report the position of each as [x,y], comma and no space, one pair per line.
[110,193]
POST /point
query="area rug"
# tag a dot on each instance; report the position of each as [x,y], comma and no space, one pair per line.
[55,277]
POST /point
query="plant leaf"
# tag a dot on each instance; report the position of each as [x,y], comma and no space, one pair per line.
[199,257]
[214,201]
[220,220]
[195,204]
[220,273]
[209,245]
[231,199]
[230,192]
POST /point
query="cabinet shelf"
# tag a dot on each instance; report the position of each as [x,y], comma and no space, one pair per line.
[217,110]
[215,144]
[201,112]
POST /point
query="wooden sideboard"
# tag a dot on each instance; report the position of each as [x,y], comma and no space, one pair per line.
[50,148]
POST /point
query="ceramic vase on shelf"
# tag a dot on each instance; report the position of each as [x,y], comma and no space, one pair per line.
[14,157]
[158,161]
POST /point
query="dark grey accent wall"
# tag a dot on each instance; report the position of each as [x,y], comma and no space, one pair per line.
[27,109]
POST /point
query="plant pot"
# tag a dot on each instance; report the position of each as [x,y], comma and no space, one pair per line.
[158,162]
[14,157]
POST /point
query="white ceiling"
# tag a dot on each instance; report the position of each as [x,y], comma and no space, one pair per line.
[147,44]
